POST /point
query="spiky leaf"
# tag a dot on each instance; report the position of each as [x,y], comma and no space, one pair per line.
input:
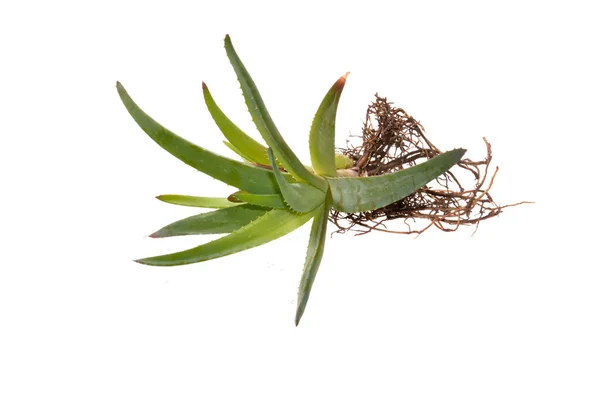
[272,225]
[314,254]
[246,145]
[238,152]
[221,221]
[265,124]
[301,197]
[264,200]
[243,176]
[361,194]
[199,202]
[322,131]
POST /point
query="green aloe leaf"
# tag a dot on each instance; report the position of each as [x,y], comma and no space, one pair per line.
[301,197]
[243,176]
[238,152]
[314,254]
[342,162]
[265,200]
[199,202]
[322,131]
[246,145]
[361,194]
[265,124]
[221,221]
[268,227]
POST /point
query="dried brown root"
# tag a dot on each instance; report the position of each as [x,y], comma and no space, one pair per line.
[392,140]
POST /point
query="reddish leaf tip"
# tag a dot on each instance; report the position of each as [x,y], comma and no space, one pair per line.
[341,81]
[233,198]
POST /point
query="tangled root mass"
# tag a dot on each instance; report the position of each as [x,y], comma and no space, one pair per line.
[392,140]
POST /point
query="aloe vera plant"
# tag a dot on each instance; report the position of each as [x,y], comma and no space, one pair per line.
[276,192]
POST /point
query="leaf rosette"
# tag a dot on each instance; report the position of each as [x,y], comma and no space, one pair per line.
[276,192]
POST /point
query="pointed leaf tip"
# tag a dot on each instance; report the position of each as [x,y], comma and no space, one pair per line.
[265,125]
[273,224]
[234,173]
[341,81]
[314,255]
[322,131]
[382,190]
[233,198]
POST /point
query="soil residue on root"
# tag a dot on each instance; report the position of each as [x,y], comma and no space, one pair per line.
[392,140]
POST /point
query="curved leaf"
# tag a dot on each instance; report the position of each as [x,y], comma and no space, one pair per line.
[237,174]
[265,200]
[272,225]
[249,148]
[301,197]
[361,194]
[314,254]
[220,221]
[322,131]
[238,152]
[265,124]
[199,202]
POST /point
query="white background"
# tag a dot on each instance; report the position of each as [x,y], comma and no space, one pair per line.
[511,312]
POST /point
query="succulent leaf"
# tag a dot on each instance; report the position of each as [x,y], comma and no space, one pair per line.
[342,162]
[265,200]
[238,152]
[322,131]
[221,221]
[272,203]
[314,254]
[361,194]
[300,197]
[243,176]
[265,124]
[248,147]
[199,202]
[268,227]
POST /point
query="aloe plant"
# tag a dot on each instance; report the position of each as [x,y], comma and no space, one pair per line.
[276,192]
